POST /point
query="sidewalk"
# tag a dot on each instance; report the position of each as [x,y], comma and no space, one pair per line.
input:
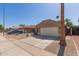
[69,50]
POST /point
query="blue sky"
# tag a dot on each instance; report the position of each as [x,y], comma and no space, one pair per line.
[29,14]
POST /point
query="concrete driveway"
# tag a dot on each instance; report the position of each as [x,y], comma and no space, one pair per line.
[12,47]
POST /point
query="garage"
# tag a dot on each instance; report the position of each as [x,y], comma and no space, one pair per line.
[50,31]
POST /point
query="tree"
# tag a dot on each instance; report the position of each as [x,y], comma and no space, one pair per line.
[1,27]
[78,19]
[68,22]
[57,17]
[68,26]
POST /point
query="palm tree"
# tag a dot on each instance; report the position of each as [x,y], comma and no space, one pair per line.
[57,17]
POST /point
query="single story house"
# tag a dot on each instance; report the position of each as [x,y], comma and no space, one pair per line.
[46,27]
[49,27]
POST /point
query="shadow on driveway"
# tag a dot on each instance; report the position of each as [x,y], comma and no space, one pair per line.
[46,37]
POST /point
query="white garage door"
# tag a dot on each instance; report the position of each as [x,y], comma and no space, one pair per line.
[50,31]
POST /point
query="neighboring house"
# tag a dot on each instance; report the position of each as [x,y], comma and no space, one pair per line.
[49,27]
[28,29]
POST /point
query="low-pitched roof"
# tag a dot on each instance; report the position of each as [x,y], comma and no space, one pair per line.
[48,23]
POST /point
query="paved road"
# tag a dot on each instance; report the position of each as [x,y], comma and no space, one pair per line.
[16,48]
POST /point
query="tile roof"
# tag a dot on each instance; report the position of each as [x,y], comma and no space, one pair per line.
[48,23]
